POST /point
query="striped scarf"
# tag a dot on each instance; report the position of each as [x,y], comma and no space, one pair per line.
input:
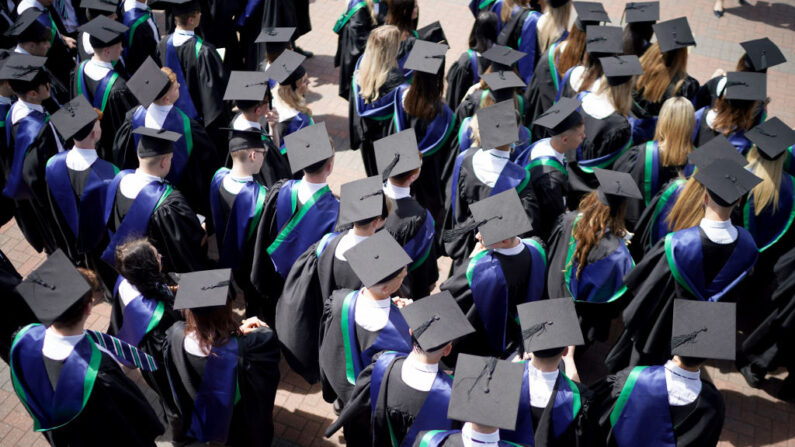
[124,352]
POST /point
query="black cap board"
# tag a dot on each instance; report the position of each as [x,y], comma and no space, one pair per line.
[22,67]
[673,34]
[107,6]
[104,31]
[503,79]
[500,217]
[635,12]
[591,12]
[763,53]
[746,85]
[177,7]
[377,258]
[204,289]
[557,3]
[284,66]
[717,148]
[25,21]
[436,320]
[74,116]
[308,146]
[549,324]
[503,55]
[361,200]
[397,152]
[149,83]
[432,32]
[726,180]
[704,329]
[498,125]
[53,288]
[426,57]
[155,141]
[604,40]
[245,139]
[562,116]
[772,138]
[616,184]
[246,86]
[277,34]
[620,69]
[486,391]
[4,55]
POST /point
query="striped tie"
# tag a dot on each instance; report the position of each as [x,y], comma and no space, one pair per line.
[124,352]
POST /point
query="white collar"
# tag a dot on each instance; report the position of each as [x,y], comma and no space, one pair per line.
[513,251]
[181,36]
[24,5]
[396,192]
[184,32]
[235,184]
[131,185]
[575,78]
[192,346]
[58,347]
[127,292]
[488,165]
[371,314]
[541,385]
[133,4]
[96,69]
[683,386]
[418,375]
[79,159]
[100,63]
[347,240]
[544,149]
[307,189]
[719,231]
[241,123]
[286,112]
[156,115]
[472,438]
[597,105]
[31,106]
[20,50]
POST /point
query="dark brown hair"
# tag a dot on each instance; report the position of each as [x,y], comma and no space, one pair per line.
[213,327]
[399,14]
[573,52]
[137,262]
[733,115]
[424,96]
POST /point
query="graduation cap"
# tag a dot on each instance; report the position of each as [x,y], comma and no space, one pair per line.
[503,55]
[277,34]
[75,117]
[105,6]
[746,85]
[377,258]
[52,289]
[604,40]
[502,79]
[716,148]
[149,83]
[549,324]
[27,28]
[426,57]
[4,55]
[155,141]
[497,124]
[308,146]
[177,7]
[673,34]
[704,329]
[203,290]
[615,187]
[635,12]
[397,154]
[436,320]
[557,3]
[432,33]
[104,31]
[772,138]
[763,53]
[22,67]
[590,12]
[245,139]
[726,181]
[246,86]
[285,68]
[562,116]
[361,200]
[500,217]
[486,391]
[620,69]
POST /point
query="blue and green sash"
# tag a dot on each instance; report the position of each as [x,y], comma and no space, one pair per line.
[659,224]
[133,19]
[99,98]
[379,110]
[141,315]
[473,63]
[184,103]
[527,44]
[176,121]
[768,227]
[438,131]
[235,230]
[641,415]
[28,128]
[435,438]
[419,246]
[353,7]
[560,86]
[651,171]
[217,395]
[642,128]
[250,10]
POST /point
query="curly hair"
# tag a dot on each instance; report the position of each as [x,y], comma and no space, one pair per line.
[596,219]
[138,263]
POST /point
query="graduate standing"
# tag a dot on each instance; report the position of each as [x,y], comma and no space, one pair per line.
[289,101]
[353,28]
[141,203]
[100,83]
[68,378]
[91,10]
[466,71]
[142,36]
[358,324]
[640,18]
[223,375]
[18,313]
[405,394]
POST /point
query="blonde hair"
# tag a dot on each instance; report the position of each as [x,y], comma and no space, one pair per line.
[689,207]
[620,96]
[674,132]
[660,70]
[766,193]
[371,8]
[507,9]
[557,20]
[380,56]
[290,96]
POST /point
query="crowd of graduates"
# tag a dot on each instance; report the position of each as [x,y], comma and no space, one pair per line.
[585,188]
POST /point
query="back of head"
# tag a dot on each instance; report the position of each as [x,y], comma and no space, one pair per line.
[75,313]
[399,14]
[572,54]
[636,37]
[137,261]
[556,23]
[424,96]
[380,56]
[620,96]
[21,88]
[733,115]
[591,228]
[674,131]
[212,327]
[660,70]
[484,31]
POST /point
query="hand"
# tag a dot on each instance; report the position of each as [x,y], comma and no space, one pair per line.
[272,117]
[249,325]
[402,302]
[70,42]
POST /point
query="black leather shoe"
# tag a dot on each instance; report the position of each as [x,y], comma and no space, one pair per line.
[718,13]
[752,375]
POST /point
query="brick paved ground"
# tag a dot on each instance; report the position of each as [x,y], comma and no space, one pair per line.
[754,418]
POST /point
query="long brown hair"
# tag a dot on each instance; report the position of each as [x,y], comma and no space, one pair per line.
[290,97]
[593,71]
[424,96]
[593,225]
[733,116]
[674,131]
[213,327]
[660,70]
[573,51]
[771,172]
[688,210]
[399,14]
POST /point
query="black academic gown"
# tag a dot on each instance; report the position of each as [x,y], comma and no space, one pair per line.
[219,28]
[7,19]
[404,222]
[275,167]
[120,101]
[6,204]
[287,13]
[315,275]
[16,313]
[550,186]
[540,93]
[462,75]
[143,45]
[351,40]
[257,375]
[643,108]
[695,425]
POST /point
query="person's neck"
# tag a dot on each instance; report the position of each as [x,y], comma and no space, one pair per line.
[363,231]
[713,211]
[163,103]
[545,365]
[36,102]
[186,28]
[678,362]
[145,170]
[375,295]
[68,331]
[484,429]
[317,177]
[99,58]
[557,145]
[251,116]
[239,171]
[27,46]
[404,184]
[422,357]
[86,144]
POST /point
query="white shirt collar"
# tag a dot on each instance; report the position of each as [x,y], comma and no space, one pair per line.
[24,5]
[96,69]
[127,292]
[20,50]
[307,189]
[241,123]
[131,185]
[370,314]
[79,159]
[488,165]
[133,4]
[31,106]
[541,385]
[544,149]
[348,240]
[181,36]
[235,184]
[156,115]
[719,231]
[513,251]
[472,438]
[683,386]
[395,192]
[24,109]
[58,347]
[418,375]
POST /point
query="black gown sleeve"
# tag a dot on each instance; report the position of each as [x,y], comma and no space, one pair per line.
[197,178]
[144,45]
[213,77]
[350,46]
[175,230]
[459,78]
[125,154]
[359,403]
[550,188]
